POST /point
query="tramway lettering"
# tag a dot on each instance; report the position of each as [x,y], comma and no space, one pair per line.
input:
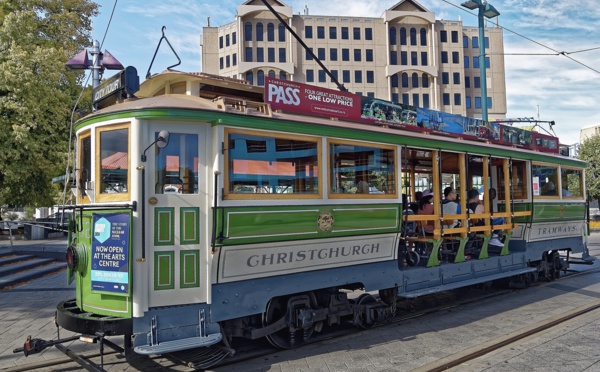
[557,230]
[310,255]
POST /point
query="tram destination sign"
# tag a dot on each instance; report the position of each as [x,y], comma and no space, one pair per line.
[110,253]
[123,84]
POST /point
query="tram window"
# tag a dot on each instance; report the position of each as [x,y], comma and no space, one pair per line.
[571,182]
[362,169]
[113,177]
[85,165]
[519,180]
[278,166]
[545,180]
[177,165]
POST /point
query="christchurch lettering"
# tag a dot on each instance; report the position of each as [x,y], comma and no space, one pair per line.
[310,255]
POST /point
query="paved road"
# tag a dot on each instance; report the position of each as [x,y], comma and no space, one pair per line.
[415,345]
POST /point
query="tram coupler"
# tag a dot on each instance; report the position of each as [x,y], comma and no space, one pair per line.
[35,345]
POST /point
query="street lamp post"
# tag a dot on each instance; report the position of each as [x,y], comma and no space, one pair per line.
[488,11]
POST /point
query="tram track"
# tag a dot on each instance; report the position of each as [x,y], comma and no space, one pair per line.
[410,310]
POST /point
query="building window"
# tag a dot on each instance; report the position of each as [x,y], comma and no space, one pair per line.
[371,94]
[478,102]
[467,82]
[345,33]
[444,57]
[234,38]
[487,62]
[393,58]
[248,31]
[455,36]
[234,59]
[320,32]
[468,102]
[414,61]
[446,99]
[477,82]
[345,54]
[346,76]
[259,31]
[357,57]
[260,78]
[395,97]
[425,100]
[250,77]
[333,54]
[424,59]
[405,99]
[456,78]
[310,76]
[402,36]
[334,73]
[489,101]
[486,42]
[465,41]
[443,36]
[227,61]
[423,37]
[227,40]
[393,36]
[413,36]
[369,55]
[455,57]
[271,54]
[415,80]
[321,53]
[260,55]
[322,78]
[282,75]
[333,33]
[475,42]
[356,33]
[358,76]
[370,77]
[248,54]
[425,81]
[281,32]
[475,62]
[282,55]
[272,74]
[466,59]
[220,42]
[221,64]
[445,78]
[457,99]
[404,80]
[309,56]
[270,32]
[368,33]
[404,58]
[394,81]
[415,99]
[308,32]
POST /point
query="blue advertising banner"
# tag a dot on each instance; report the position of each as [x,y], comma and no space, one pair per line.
[110,253]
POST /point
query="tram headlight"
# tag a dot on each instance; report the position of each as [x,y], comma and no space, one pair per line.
[76,257]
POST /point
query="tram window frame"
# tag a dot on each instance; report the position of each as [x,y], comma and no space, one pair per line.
[84,162]
[119,196]
[520,181]
[253,190]
[564,175]
[541,191]
[182,147]
[350,191]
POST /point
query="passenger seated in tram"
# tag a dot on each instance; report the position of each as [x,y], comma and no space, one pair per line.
[475,206]
[450,206]
[426,207]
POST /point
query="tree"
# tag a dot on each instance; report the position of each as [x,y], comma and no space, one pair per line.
[37,93]
[590,152]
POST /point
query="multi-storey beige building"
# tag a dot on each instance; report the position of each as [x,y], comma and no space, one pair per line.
[405,56]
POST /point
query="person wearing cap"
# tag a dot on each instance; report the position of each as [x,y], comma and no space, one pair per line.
[426,207]
[476,207]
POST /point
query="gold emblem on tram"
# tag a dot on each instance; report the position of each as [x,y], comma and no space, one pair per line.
[325,221]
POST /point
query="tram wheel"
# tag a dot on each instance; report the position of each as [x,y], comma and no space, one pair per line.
[279,307]
[388,295]
[364,321]
[412,258]
[554,266]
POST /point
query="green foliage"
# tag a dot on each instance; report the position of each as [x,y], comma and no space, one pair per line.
[590,152]
[37,93]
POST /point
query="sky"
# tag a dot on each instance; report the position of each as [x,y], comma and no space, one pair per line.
[552,47]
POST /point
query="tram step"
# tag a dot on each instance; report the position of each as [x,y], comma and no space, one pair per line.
[10,260]
[177,345]
[12,280]
[18,265]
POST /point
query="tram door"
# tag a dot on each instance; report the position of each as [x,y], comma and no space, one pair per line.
[176,232]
